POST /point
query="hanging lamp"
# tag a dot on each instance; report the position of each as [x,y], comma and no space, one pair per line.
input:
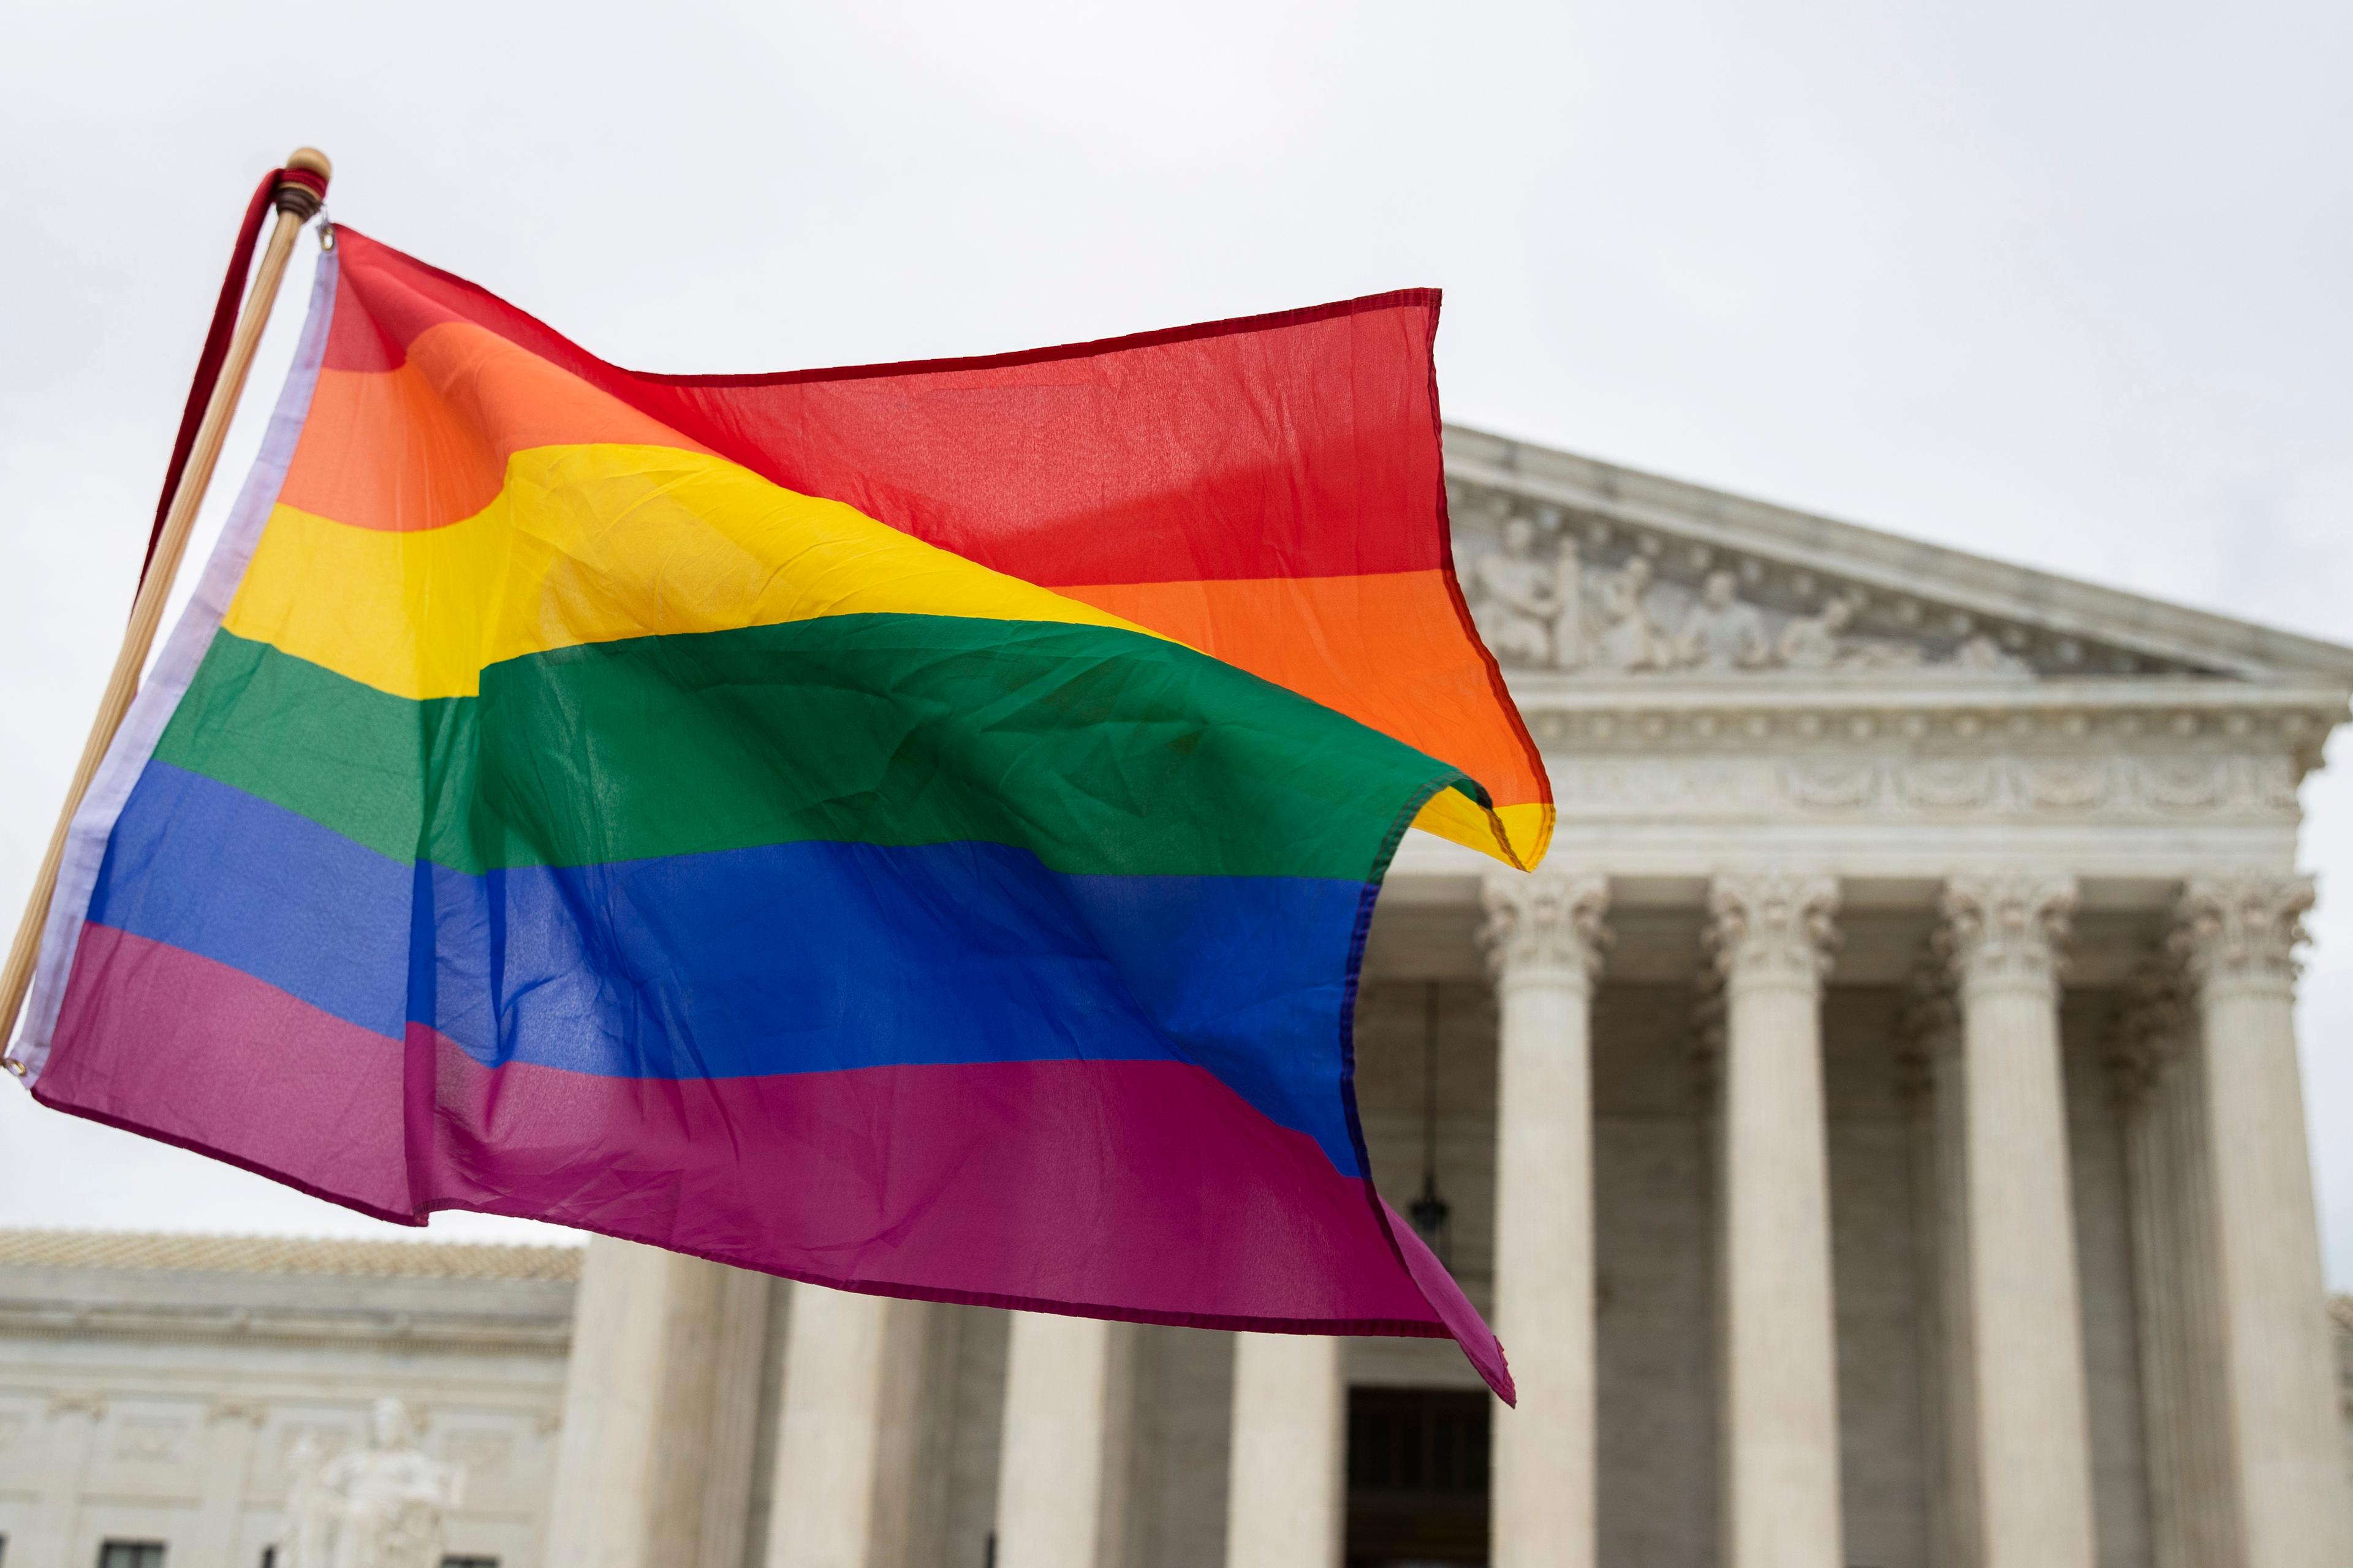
[1432,1215]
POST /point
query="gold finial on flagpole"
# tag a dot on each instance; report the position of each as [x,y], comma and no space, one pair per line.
[295,195]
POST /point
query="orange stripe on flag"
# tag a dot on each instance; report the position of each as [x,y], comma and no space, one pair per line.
[1388,650]
[425,445]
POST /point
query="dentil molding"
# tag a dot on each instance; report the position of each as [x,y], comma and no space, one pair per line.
[1588,785]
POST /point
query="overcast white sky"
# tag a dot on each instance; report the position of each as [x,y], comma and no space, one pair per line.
[2059,281]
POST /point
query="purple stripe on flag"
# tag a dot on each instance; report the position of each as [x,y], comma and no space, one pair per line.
[1143,1190]
[207,1057]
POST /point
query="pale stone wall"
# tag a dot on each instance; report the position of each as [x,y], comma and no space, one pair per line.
[161,1403]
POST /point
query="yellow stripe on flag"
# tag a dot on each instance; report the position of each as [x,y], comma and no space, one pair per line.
[596,543]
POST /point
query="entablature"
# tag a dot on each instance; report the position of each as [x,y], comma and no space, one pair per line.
[1427,924]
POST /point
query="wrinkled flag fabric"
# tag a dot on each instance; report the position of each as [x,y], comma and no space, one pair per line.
[909,829]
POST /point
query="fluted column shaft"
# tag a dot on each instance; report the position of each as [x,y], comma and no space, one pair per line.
[1286,1494]
[1061,1471]
[612,1388]
[2033,1459]
[2157,1064]
[1770,936]
[2237,937]
[653,1468]
[843,1491]
[1544,941]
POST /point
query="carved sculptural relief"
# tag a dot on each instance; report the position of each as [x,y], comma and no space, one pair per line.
[1516,601]
[1544,601]
[1722,631]
[377,1507]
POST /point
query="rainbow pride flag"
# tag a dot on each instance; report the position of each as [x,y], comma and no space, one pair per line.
[911,828]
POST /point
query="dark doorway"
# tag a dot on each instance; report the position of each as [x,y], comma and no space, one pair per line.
[1417,1478]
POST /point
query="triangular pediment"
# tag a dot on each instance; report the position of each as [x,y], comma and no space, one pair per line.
[1587,570]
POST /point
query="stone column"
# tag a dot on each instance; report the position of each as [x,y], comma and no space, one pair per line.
[829,1430]
[738,1320]
[653,1468]
[1287,1492]
[1545,940]
[1062,1479]
[2032,1460]
[1769,935]
[64,1463]
[2238,938]
[847,1444]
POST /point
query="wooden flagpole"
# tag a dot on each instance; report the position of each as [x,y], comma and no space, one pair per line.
[296,205]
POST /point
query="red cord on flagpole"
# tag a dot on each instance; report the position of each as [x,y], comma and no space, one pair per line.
[224,326]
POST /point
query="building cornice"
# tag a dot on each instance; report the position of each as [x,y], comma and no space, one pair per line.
[153,1250]
[312,1329]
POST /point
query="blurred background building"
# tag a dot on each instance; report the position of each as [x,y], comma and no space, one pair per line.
[156,1390]
[1908,1002]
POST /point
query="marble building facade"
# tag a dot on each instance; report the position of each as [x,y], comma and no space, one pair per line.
[161,1391]
[1876,1135]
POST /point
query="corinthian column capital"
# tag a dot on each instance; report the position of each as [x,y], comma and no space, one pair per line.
[2006,930]
[1769,927]
[1547,920]
[2241,930]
